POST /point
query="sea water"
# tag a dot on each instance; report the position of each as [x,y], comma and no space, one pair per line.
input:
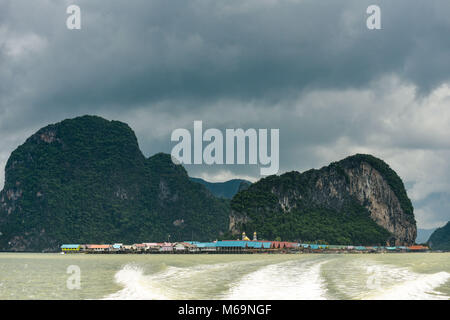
[258,276]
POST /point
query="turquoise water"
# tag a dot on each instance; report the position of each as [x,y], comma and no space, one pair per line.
[295,276]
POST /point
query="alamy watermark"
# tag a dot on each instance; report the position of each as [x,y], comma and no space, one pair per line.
[235,150]
[373,22]
[73,22]
[74,280]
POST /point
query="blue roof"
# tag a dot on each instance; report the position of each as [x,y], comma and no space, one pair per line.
[232,244]
[70,246]
[243,244]
[205,244]
[360,248]
[258,244]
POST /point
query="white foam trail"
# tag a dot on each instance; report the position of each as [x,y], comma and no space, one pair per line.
[291,280]
[298,280]
[171,283]
[136,285]
[403,284]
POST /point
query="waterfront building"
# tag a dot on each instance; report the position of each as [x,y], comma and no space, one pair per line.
[166,247]
[70,248]
[97,247]
[116,247]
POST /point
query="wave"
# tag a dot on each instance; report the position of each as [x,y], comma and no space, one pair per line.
[290,280]
[136,285]
[300,279]
[402,284]
[192,282]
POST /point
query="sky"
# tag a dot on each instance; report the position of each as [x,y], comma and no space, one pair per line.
[310,68]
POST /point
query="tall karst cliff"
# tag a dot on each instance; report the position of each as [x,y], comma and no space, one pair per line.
[359,200]
[84,180]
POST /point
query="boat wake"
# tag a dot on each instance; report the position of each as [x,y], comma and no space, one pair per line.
[300,279]
[236,280]
[193,282]
[292,280]
[136,285]
[393,283]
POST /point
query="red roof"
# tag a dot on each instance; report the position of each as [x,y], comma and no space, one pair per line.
[98,246]
[282,244]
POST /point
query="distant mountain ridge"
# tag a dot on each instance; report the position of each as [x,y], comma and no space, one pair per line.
[227,189]
[424,234]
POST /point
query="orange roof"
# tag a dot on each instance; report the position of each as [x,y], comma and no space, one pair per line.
[418,248]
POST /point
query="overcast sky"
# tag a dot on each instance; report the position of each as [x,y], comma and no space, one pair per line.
[308,67]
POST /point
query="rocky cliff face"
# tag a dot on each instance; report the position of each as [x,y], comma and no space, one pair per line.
[370,188]
[358,181]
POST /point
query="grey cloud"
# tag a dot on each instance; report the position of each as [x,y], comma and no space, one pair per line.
[434,211]
[147,51]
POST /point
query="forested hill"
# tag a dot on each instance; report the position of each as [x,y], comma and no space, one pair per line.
[440,239]
[84,180]
[358,200]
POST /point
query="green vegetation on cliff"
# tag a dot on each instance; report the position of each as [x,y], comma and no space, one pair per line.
[350,225]
[322,205]
[85,180]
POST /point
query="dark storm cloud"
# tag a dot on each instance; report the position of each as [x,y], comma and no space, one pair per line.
[137,52]
[310,68]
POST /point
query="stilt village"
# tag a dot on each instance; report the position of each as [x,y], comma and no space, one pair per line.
[243,246]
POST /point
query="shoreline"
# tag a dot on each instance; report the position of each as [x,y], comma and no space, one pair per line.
[219,253]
